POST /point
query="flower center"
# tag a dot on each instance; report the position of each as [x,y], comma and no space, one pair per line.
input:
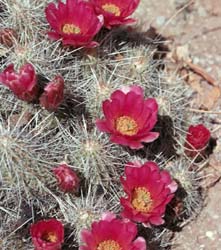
[109,245]
[50,237]
[71,29]
[126,125]
[141,200]
[111,8]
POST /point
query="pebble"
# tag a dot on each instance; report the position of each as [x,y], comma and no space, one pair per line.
[210,235]
[202,12]
[160,21]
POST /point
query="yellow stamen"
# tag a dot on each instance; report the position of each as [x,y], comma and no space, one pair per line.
[109,245]
[126,125]
[71,29]
[50,237]
[141,200]
[111,8]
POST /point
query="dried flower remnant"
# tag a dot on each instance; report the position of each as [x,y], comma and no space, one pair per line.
[23,84]
[53,94]
[47,234]
[75,22]
[67,179]
[7,36]
[111,233]
[129,118]
[148,191]
[116,12]
[197,139]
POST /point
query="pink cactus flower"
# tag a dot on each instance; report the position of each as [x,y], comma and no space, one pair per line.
[115,12]
[129,118]
[47,234]
[75,22]
[148,191]
[111,233]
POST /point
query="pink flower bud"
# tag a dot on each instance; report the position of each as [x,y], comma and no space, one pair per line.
[53,94]
[67,179]
[196,140]
[22,84]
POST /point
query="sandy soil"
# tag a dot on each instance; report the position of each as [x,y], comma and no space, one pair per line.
[196,25]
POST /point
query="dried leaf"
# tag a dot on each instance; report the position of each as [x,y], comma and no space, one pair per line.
[194,82]
[210,98]
[200,71]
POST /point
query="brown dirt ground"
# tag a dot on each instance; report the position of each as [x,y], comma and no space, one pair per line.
[196,27]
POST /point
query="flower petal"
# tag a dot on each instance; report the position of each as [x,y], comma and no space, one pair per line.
[139,244]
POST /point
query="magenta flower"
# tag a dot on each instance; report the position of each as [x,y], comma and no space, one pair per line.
[148,191]
[75,22]
[23,84]
[129,118]
[115,12]
[47,234]
[112,234]
[53,94]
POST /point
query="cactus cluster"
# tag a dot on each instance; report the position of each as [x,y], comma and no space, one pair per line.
[34,139]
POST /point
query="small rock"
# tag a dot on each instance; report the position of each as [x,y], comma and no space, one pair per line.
[196,60]
[160,21]
[210,235]
[202,12]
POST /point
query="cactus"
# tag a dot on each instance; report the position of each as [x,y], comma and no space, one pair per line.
[91,153]
[34,140]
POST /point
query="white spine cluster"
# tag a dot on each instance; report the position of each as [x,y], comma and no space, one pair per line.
[99,161]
